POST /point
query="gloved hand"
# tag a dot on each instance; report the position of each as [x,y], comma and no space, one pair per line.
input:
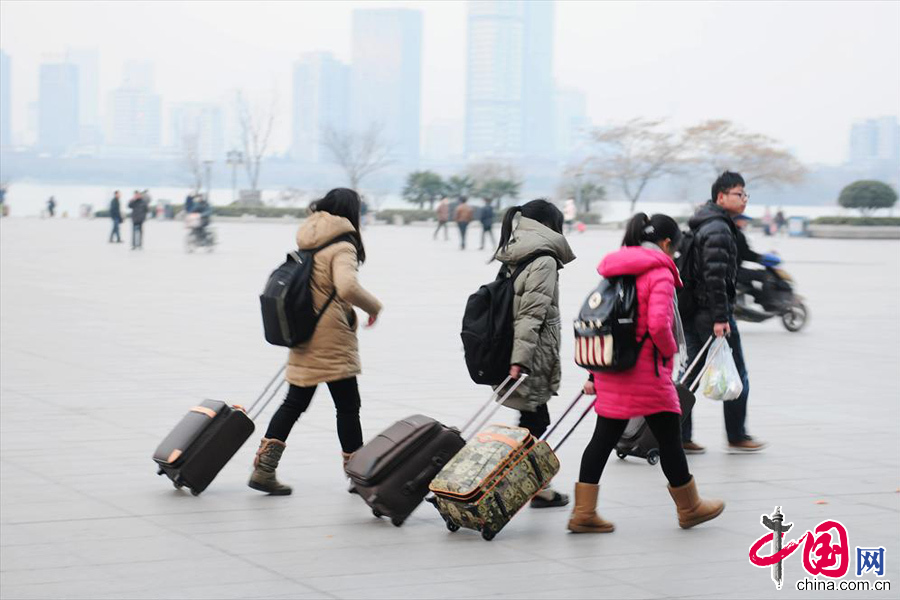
[770,260]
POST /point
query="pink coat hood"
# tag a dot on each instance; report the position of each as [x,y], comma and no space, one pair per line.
[637,260]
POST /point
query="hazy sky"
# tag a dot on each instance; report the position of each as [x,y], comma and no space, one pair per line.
[800,71]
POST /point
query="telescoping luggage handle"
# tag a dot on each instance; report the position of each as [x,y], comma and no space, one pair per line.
[499,403]
[269,399]
[584,414]
[687,372]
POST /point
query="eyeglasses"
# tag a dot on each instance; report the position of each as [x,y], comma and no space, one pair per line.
[742,195]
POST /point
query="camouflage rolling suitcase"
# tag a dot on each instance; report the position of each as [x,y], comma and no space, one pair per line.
[497,473]
[392,471]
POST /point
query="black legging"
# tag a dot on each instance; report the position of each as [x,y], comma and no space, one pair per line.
[666,428]
[537,421]
[344,393]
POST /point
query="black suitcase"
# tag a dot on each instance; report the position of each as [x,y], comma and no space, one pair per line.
[393,470]
[638,440]
[205,440]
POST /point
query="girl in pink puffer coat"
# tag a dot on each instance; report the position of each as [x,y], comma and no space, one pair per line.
[646,390]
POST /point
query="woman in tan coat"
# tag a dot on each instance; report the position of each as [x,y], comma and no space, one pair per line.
[331,355]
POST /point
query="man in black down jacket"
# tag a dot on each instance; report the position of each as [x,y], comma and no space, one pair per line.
[139,207]
[715,265]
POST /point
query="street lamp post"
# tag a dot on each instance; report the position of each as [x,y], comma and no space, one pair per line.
[208,165]
[234,158]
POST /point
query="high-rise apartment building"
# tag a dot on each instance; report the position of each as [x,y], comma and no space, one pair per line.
[88,62]
[386,77]
[572,122]
[200,124]
[875,140]
[58,107]
[134,113]
[509,75]
[5,99]
[320,101]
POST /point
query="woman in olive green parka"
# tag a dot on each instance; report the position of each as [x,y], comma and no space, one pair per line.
[529,231]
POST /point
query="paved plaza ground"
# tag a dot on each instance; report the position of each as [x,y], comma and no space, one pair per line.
[103,349]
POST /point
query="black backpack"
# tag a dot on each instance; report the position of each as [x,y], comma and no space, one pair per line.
[487,326]
[605,328]
[289,317]
[686,263]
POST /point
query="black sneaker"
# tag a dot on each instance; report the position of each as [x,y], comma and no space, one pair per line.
[557,500]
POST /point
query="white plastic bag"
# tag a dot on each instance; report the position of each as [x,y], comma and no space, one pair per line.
[721,380]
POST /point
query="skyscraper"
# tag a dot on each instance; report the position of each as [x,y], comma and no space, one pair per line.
[386,77]
[875,140]
[88,62]
[509,75]
[135,113]
[537,78]
[321,100]
[5,98]
[200,120]
[58,107]
[571,122]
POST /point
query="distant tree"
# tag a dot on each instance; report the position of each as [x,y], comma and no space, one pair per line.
[494,182]
[458,186]
[867,196]
[256,123]
[190,149]
[584,189]
[358,154]
[422,187]
[719,145]
[634,153]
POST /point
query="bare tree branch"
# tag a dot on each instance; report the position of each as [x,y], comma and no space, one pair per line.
[719,145]
[190,148]
[256,128]
[634,153]
[358,154]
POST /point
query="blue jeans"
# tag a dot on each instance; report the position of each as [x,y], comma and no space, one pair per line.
[696,331]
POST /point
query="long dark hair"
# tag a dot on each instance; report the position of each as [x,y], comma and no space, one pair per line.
[657,228]
[540,210]
[343,202]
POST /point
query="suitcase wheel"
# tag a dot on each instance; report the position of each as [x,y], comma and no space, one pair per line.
[195,493]
[653,457]
[621,454]
[376,513]
[160,471]
[452,526]
[177,485]
[397,521]
[487,534]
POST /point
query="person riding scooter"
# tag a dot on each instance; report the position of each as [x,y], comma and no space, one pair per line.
[746,277]
[202,207]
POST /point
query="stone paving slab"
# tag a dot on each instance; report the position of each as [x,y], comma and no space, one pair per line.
[102,349]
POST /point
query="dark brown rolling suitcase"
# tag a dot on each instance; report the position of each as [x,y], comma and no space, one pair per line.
[393,470]
[638,440]
[205,440]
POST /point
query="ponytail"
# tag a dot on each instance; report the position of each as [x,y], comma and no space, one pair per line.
[657,228]
[506,228]
[634,230]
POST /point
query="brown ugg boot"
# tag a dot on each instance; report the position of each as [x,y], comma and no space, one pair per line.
[264,465]
[584,516]
[692,509]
